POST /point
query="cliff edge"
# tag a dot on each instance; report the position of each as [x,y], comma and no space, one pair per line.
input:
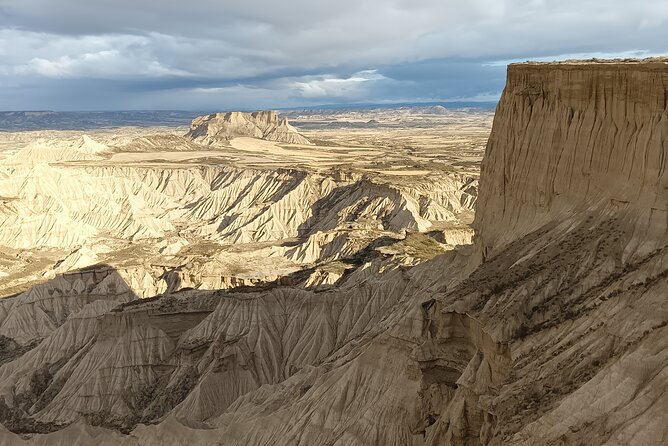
[572,137]
[572,266]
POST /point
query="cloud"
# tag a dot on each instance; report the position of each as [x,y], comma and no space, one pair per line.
[102,64]
[331,86]
[300,51]
[110,57]
[632,54]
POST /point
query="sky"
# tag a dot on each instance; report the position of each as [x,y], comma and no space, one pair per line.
[258,54]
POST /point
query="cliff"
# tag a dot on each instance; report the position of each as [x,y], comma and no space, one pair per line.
[571,228]
[263,125]
[575,137]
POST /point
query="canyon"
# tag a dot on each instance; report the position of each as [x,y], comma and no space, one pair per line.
[377,277]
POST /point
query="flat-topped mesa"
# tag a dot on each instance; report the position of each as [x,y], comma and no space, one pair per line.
[267,125]
[575,137]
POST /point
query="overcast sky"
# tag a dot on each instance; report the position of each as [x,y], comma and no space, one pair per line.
[223,54]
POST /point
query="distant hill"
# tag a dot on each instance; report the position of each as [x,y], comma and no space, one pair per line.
[51,120]
[267,125]
[88,120]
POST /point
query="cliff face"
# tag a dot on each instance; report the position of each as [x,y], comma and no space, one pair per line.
[263,125]
[571,227]
[574,137]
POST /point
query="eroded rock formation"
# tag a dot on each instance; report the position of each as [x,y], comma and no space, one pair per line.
[571,138]
[220,127]
[572,225]
[553,331]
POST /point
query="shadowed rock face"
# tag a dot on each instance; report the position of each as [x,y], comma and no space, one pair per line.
[461,365]
[558,336]
[267,125]
[572,229]
[575,137]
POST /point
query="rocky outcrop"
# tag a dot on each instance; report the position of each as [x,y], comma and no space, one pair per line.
[220,127]
[572,230]
[462,368]
[574,137]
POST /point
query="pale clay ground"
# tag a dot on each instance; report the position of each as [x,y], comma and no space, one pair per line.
[450,143]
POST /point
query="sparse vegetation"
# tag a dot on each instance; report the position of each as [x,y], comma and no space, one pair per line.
[419,246]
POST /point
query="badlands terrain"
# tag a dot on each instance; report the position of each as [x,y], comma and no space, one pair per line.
[250,280]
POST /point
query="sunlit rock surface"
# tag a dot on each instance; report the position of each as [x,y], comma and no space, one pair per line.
[267,125]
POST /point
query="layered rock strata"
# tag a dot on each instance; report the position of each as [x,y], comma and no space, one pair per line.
[575,137]
[572,227]
[220,127]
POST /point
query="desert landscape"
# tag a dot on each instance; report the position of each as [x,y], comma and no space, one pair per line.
[399,275]
[224,209]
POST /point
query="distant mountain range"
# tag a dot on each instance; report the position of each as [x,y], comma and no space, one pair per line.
[52,120]
[84,120]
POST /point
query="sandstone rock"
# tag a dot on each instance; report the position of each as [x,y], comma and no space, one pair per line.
[570,138]
[263,125]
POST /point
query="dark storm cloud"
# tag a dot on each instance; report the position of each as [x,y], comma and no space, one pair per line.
[448,78]
[94,54]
